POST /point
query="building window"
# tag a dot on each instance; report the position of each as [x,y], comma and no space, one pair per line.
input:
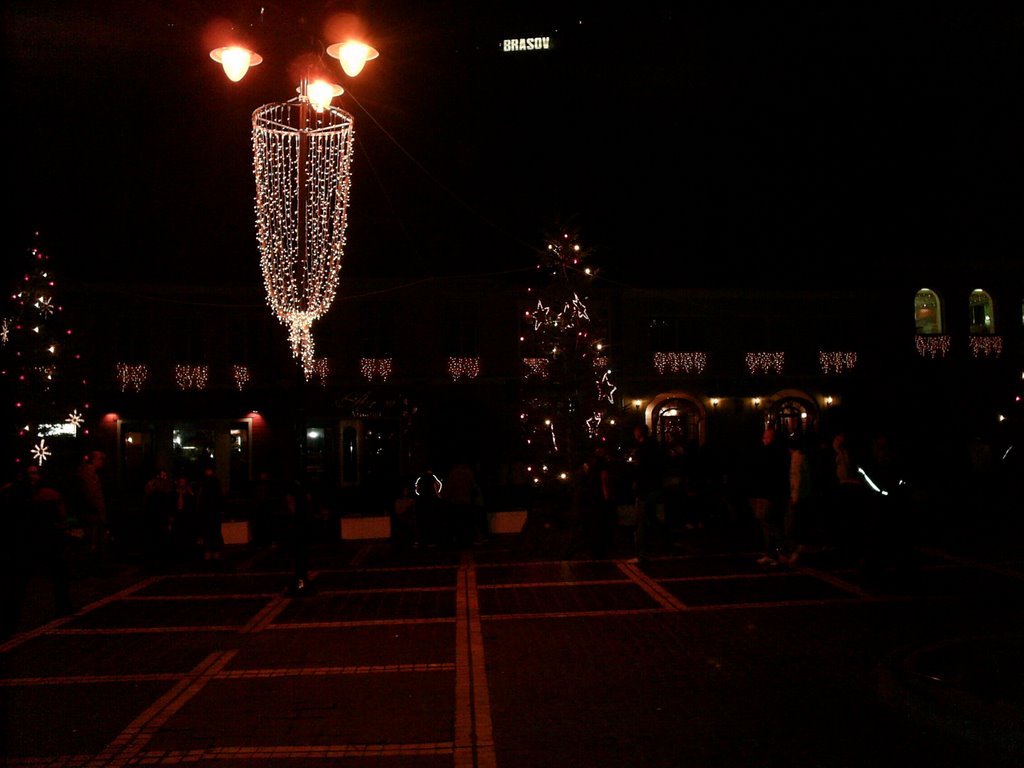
[927,313]
[982,316]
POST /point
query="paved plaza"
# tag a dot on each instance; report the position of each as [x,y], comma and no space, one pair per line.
[521,653]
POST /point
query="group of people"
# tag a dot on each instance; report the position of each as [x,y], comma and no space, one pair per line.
[181,518]
[852,498]
[56,522]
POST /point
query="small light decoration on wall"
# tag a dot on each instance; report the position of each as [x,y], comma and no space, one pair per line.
[594,424]
[5,331]
[932,346]
[375,368]
[75,419]
[985,346]
[131,375]
[320,368]
[539,367]
[463,367]
[837,362]
[241,374]
[191,376]
[40,452]
[680,362]
[765,362]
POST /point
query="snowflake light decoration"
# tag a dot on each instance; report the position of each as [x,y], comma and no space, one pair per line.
[75,418]
[45,306]
[5,331]
[40,452]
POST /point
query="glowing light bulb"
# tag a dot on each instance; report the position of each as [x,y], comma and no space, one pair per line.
[235,60]
[320,93]
[352,55]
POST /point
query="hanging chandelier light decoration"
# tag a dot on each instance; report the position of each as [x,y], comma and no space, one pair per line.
[302,158]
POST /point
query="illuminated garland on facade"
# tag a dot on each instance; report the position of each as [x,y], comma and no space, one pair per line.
[837,362]
[241,374]
[765,362]
[375,368]
[537,366]
[301,160]
[986,345]
[680,362]
[321,368]
[191,376]
[933,346]
[459,367]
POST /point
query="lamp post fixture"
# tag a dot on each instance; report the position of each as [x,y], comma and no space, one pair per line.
[302,156]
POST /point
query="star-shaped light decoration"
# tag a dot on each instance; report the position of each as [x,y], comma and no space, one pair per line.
[75,418]
[40,452]
[594,424]
[579,308]
[605,388]
[541,315]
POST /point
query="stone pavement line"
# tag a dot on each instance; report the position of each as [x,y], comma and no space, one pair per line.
[474,735]
[266,615]
[662,596]
[127,745]
[836,581]
[57,623]
[961,560]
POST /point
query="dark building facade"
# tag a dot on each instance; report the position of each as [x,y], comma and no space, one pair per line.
[412,375]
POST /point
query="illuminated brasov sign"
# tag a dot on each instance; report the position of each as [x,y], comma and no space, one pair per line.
[526,44]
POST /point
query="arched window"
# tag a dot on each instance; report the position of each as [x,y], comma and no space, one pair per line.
[982,315]
[927,313]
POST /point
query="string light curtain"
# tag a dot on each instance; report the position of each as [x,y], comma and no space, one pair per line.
[301,160]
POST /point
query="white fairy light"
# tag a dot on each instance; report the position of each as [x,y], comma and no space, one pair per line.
[680,362]
[301,160]
[131,375]
[765,362]
[375,368]
[463,367]
[986,345]
[241,374]
[932,346]
[537,366]
[837,362]
[191,376]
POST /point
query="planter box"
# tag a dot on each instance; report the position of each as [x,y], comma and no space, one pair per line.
[366,527]
[509,521]
[235,531]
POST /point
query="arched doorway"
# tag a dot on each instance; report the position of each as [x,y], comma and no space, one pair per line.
[678,417]
[793,414]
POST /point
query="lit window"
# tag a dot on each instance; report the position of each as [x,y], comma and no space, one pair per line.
[927,313]
[982,316]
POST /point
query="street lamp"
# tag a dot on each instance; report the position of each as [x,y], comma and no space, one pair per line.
[302,156]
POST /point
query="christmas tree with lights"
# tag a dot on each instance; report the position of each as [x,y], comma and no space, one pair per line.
[43,385]
[568,394]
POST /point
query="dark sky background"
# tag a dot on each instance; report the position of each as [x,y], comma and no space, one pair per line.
[696,143]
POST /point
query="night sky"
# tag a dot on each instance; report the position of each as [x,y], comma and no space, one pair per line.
[714,142]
